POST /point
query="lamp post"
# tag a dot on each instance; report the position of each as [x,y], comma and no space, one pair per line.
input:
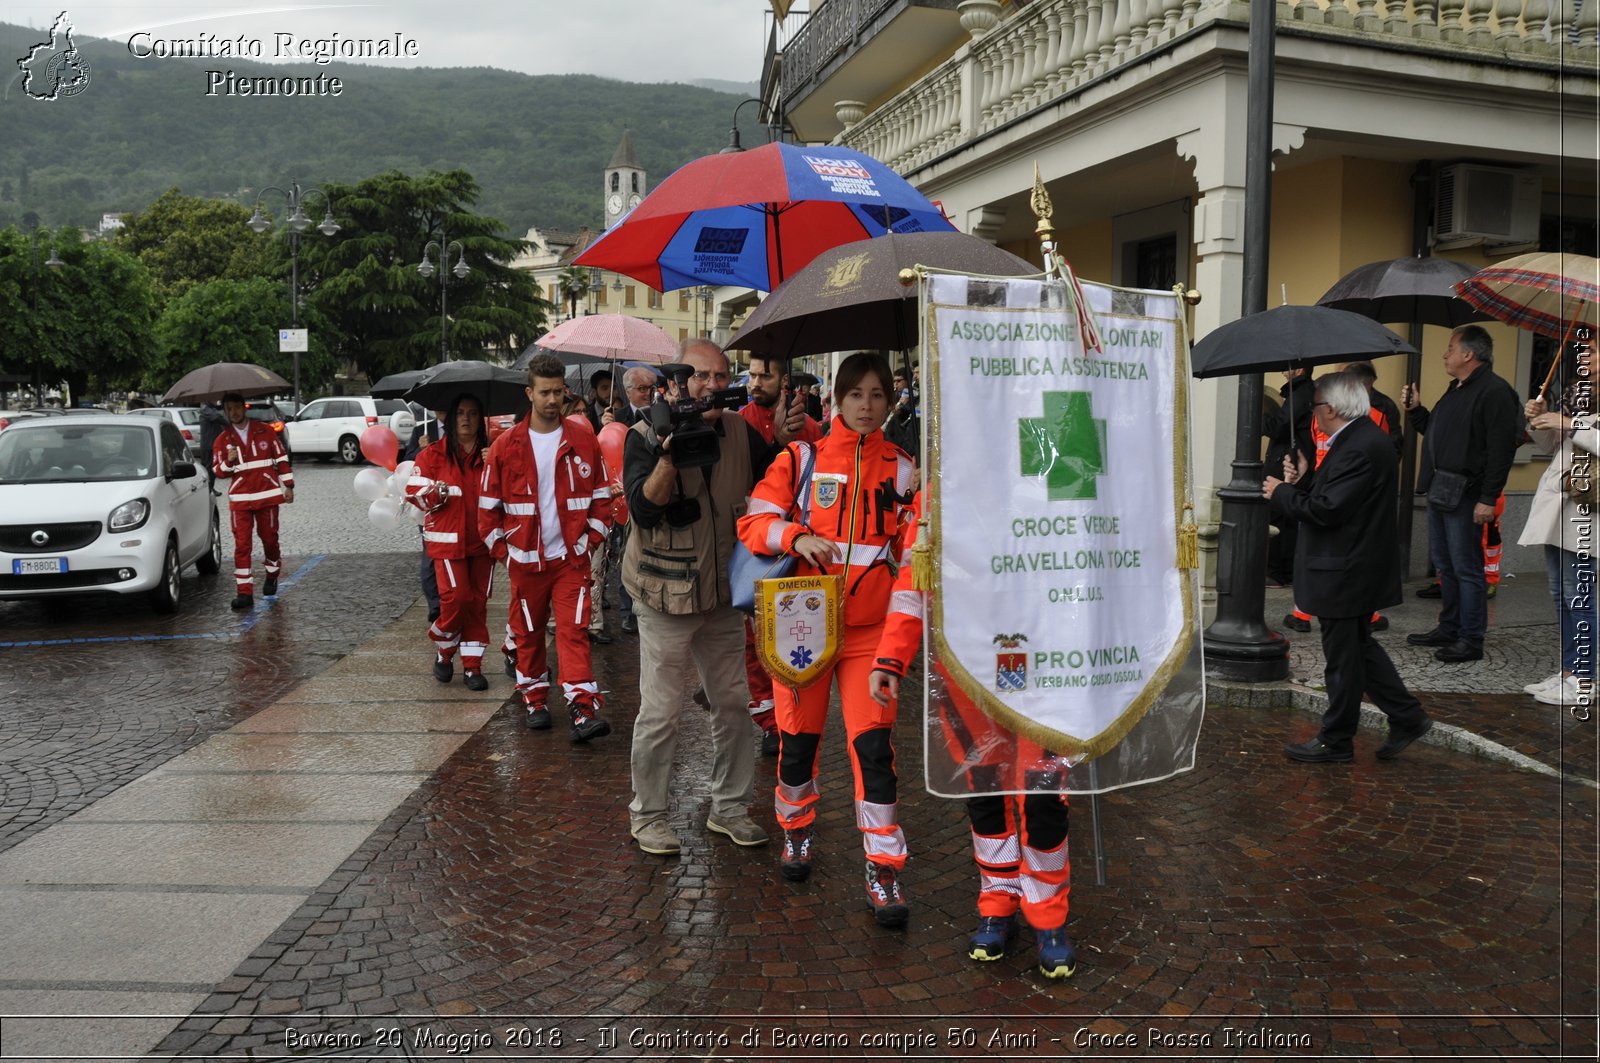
[577,288]
[733,133]
[54,263]
[705,293]
[597,282]
[298,223]
[444,245]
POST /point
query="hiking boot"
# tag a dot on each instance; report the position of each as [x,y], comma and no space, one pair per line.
[474,679]
[1057,957]
[742,829]
[796,865]
[770,742]
[538,717]
[586,723]
[443,669]
[511,665]
[269,587]
[884,894]
[656,837]
[241,601]
[990,939]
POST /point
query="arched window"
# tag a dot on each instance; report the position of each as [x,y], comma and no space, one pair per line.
[635,179]
[616,181]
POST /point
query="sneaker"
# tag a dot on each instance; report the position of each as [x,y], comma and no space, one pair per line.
[1492,588]
[884,894]
[586,723]
[241,601]
[269,587]
[538,717]
[796,865]
[511,664]
[474,679]
[742,829]
[656,837]
[1567,692]
[443,669]
[1294,623]
[1057,957]
[990,939]
[769,743]
[1551,681]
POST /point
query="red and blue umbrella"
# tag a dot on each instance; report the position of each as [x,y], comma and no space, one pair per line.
[753,218]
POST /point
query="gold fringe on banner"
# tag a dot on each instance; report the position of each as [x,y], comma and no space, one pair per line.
[922,559]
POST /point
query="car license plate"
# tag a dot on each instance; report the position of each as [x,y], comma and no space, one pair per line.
[45,566]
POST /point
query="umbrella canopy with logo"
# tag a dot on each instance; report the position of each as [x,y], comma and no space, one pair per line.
[499,390]
[1288,336]
[395,384]
[210,382]
[1549,292]
[610,338]
[1405,289]
[756,217]
[852,296]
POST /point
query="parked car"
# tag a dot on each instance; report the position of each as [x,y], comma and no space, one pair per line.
[103,504]
[273,414]
[187,418]
[10,417]
[332,427]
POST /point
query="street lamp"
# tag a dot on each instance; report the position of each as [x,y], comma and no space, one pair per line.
[705,293]
[298,223]
[444,245]
[733,134]
[578,285]
[54,263]
[597,283]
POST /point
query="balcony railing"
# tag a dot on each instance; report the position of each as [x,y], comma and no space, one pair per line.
[828,32]
[1050,48]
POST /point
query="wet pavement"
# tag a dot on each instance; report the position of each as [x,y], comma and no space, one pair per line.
[1439,904]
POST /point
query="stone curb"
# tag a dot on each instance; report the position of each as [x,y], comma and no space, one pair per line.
[1312,702]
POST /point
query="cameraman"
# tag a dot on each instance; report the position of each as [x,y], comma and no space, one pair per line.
[676,569]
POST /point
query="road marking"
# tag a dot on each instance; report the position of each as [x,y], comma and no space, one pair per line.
[244,627]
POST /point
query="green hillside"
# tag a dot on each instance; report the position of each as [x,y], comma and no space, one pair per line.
[537,145]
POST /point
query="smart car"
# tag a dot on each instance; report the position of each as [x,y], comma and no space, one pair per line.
[103,504]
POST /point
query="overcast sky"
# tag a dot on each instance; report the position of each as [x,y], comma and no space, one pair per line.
[633,40]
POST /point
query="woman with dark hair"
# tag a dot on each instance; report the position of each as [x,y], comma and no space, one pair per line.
[445,485]
[859,493]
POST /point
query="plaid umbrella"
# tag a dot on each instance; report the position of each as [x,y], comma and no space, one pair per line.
[1549,292]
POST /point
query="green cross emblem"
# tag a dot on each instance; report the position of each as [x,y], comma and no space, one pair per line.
[1066,446]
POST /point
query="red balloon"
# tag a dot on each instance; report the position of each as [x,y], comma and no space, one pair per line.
[612,438]
[381,446]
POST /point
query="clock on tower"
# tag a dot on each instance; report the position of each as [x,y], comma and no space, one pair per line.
[633,201]
[614,204]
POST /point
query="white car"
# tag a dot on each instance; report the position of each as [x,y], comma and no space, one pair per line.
[187,418]
[331,428]
[102,504]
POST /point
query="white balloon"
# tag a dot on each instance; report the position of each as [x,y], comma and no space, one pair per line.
[405,470]
[396,485]
[384,513]
[412,513]
[371,484]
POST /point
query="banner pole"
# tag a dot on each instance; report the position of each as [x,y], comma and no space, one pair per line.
[1094,825]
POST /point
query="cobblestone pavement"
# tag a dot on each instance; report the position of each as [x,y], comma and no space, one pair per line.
[1441,904]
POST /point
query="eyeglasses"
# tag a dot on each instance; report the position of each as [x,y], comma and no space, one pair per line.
[1314,405]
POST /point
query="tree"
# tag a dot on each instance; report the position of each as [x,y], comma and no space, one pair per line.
[186,240]
[232,321]
[88,323]
[382,315]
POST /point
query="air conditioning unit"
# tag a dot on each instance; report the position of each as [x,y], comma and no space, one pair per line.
[1496,204]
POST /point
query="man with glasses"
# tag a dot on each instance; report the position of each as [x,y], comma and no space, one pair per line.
[676,568]
[639,389]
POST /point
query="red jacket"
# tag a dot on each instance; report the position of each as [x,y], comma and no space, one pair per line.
[262,471]
[508,505]
[450,531]
[764,419]
[860,499]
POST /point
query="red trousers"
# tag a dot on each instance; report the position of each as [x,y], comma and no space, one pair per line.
[562,588]
[760,682]
[867,726]
[464,586]
[1019,841]
[265,523]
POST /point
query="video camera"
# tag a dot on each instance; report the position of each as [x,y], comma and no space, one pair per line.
[695,444]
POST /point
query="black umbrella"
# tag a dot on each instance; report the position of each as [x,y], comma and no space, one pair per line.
[499,390]
[396,384]
[851,296]
[1292,336]
[210,382]
[1405,289]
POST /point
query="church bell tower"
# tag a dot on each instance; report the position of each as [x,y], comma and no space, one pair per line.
[624,182]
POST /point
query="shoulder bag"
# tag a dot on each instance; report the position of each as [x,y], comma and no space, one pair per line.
[746,568]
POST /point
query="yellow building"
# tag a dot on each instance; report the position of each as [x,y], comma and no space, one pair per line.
[1471,122]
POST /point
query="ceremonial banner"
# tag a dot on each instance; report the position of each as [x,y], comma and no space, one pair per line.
[799,626]
[1058,480]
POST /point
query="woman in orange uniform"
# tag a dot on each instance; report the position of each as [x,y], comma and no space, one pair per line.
[445,486]
[860,494]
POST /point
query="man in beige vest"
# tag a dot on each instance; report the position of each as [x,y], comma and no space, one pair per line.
[676,569]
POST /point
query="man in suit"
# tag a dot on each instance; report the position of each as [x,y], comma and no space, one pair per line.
[425,433]
[1346,567]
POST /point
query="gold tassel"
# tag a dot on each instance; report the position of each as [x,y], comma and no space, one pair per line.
[922,559]
[1188,540]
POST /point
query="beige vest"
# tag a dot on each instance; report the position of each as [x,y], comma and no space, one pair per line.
[683,571]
